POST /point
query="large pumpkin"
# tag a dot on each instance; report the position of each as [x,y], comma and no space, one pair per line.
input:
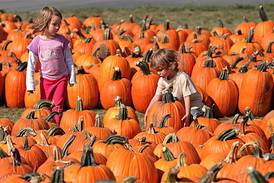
[260,82]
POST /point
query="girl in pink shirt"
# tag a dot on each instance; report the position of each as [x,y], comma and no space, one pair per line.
[53,52]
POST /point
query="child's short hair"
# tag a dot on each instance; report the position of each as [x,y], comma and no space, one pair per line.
[42,21]
[163,58]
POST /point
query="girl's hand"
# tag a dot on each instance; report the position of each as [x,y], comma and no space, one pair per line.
[186,120]
[30,91]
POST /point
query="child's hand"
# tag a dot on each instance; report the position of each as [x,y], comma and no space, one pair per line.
[186,120]
[30,91]
[71,84]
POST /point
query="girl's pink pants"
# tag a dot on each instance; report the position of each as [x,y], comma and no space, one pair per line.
[55,91]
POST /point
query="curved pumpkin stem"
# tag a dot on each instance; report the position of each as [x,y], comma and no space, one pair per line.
[54,130]
[148,55]
[67,144]
[116,139]
[25,132]
[170,138]
[182,160]
[43,103]
[235,62]
[257,152]
[232,155]
[211,174]
[164,120]
[228,134]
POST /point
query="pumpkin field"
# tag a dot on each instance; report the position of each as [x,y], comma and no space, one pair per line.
[227,51]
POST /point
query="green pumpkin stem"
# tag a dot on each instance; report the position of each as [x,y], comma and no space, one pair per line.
[116,139]
[224,74]
[54,130]
[123,114]
[269,48]
[50,117]
[57,176]
[243,69]
[235,62]
[262,13]
[107,34]
[3,154]
[130,179]
[43,103]
[79,105]
[117,75]
[168,156]
[144,67]
[170,138]
[182,160]
[148,55]
[172,175]
[168,97]
[88,157]
[221,23]
[208,112]
[66,145]
[228,134]
[209,63]
[250,35]
[163,121]
[211,174]
[255,176]
[26,144]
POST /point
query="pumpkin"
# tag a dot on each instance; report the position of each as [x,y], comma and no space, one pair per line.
[143,79]
[261,82]
[123,125]
[118,86]
[86,88]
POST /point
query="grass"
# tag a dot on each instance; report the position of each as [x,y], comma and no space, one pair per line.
[204,16]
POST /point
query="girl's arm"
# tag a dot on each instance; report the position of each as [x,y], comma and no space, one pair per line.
[186,117]
[30,72]
[70,65]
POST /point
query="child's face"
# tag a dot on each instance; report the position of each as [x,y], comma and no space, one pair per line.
[166,72]
[54,25]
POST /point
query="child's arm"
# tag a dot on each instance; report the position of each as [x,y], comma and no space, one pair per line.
[30,84]
[70,65]
[186,117]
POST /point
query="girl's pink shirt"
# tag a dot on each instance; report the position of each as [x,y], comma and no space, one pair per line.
[51,54]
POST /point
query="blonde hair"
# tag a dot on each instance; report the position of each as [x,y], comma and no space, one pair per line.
[164,58]
[42,21]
